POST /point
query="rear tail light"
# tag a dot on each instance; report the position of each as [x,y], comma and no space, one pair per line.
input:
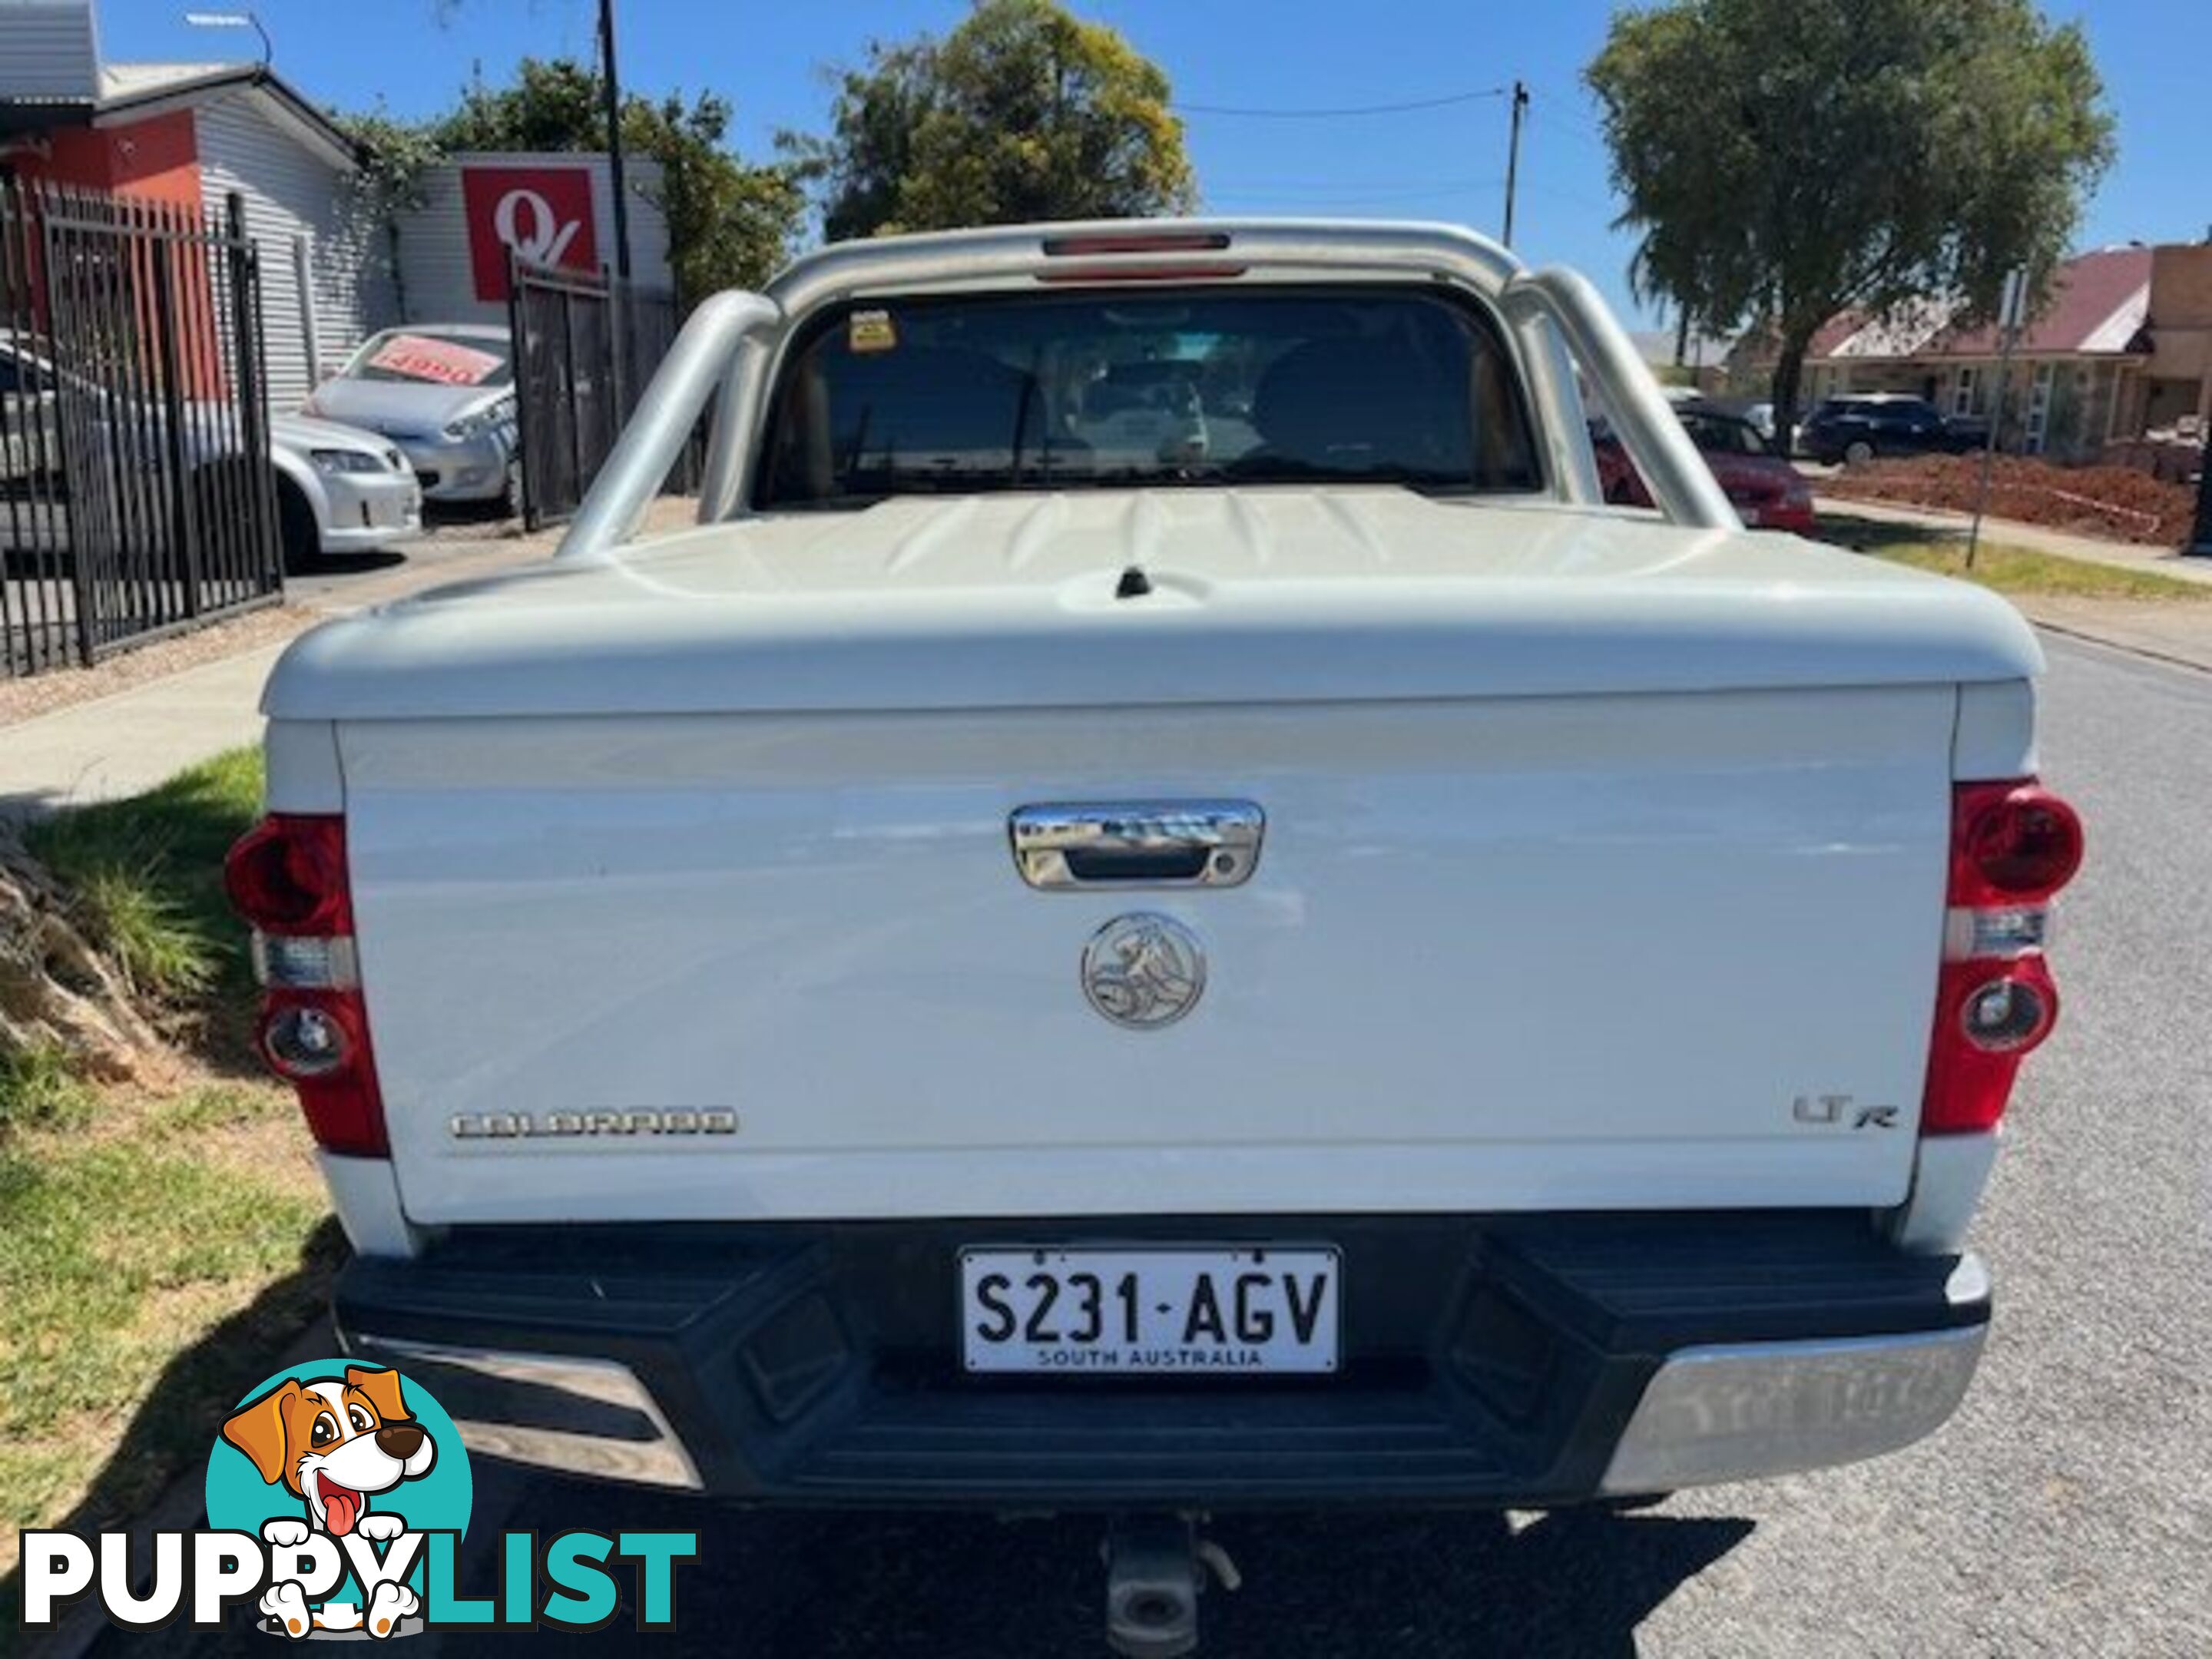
[2011,842]
[2012,847]
[287,876]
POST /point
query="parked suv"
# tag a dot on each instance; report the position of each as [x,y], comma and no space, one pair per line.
[1858,429]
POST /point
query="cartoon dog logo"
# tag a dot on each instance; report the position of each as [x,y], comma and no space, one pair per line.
[334,1443]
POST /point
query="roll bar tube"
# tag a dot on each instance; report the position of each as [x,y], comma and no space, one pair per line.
[697,365]
[1682,486]
[724,348]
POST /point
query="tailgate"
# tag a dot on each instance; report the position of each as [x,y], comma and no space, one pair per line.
[1512,954]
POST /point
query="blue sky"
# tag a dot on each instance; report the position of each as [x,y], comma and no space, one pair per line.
[1449,162]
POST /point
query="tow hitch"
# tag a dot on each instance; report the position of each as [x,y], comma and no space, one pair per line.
[1156,1565]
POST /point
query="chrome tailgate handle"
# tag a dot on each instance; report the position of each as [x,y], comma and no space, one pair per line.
[1065,846]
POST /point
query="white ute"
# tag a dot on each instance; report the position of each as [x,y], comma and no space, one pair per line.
[1159,910]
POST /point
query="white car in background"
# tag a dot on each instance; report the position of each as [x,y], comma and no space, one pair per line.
[339,489]
[445,394]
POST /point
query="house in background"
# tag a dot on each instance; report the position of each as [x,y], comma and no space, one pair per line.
[2123,344]
[331,272]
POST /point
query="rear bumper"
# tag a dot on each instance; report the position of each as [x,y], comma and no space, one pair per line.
[1484,1363]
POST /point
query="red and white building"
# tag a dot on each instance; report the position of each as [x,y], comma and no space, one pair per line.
[332,273]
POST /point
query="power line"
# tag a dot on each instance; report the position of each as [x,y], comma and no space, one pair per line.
[1406,107]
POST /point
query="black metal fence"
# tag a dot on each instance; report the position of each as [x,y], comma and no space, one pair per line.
[136,494]
[586,343]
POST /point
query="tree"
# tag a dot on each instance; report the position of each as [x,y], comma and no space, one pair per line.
[1788,161]
[1023,113]
[729,225]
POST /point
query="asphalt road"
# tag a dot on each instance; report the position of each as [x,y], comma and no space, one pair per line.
[2068,1511]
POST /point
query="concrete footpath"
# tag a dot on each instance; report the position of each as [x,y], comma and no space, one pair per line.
[129,741]
[126,742]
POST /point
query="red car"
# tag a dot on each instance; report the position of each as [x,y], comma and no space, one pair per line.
[1768,493]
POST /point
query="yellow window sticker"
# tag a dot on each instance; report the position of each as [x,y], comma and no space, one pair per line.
[870,331]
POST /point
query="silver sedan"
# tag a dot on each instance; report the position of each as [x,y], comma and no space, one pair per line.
[445,394]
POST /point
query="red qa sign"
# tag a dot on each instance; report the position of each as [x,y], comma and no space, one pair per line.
[543,213]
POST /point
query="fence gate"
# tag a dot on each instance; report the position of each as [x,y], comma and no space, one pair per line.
[586,343]
[136,494]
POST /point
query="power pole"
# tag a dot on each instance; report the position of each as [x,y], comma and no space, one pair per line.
[610,85]
[1513,156]
[2200,545]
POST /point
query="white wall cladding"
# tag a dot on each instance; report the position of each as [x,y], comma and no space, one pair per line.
[291,191]
[436,282]
[48,49]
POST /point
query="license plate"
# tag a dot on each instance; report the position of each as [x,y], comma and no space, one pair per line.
[1250,1312]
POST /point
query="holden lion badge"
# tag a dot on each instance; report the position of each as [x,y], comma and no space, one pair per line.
[1144,971]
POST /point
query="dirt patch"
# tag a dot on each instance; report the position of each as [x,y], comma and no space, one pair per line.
[60,992]
[2113,502]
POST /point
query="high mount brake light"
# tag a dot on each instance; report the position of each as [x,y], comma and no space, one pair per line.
[1137,242]
[2013,845]
[1140,273]
[287,876]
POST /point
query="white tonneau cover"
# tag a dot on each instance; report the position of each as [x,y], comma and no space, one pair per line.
[1274,595]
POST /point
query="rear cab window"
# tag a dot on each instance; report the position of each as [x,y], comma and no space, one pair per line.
[960,393]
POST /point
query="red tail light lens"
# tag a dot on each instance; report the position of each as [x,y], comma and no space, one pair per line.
[287,876]
[1972,1065]
[318,1041]
[2012,842]
[2013,845]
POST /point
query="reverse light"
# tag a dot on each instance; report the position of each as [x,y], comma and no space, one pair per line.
[305,1041]
[2008,1015]
[287,876]
[2013,845]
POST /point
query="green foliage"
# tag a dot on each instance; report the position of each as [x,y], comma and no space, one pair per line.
[145,876]
[2020,571]
[41,1089]
[113,1258]
[1023,113]
[1787,160]
[729,225]
[395,155]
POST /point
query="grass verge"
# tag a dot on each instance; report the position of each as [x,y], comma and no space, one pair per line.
[157,1249]
[2020,571]
[145,877]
